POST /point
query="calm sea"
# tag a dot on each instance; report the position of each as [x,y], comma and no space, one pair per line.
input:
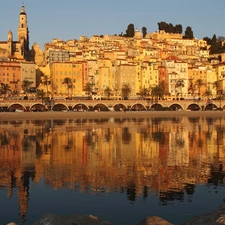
[119,169]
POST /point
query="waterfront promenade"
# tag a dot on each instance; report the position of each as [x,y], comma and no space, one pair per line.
[133,114]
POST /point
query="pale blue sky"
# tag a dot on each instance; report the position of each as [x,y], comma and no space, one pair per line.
[69,19]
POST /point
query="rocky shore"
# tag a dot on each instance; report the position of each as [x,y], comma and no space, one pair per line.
[216,217]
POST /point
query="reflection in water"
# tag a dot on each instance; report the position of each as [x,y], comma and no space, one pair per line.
[136,156]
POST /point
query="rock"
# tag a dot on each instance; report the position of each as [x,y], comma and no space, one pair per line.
[54,219]
[50,219]
[154,220]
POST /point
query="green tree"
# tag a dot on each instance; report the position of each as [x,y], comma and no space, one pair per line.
[144,31]
[180,84]
[216,85]
[144,92]
[41,94]
[191,89]
[26,85]
[199,84]
[130,30]
[4,89]
[46,82]
[188,33]
[164,88]
[178,29]
[156,93]
[69,83]
[107,92]
[126,90]
[207,94]
[88,88]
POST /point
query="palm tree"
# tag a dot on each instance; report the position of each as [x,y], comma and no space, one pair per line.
[88,88]
[164,88]
[69,83]
[199,84]
[26,85]
[46,82]
[191,89]
[156,93]
[41,94]
[4,89]
[180,84]
[107,92]
[126,90]
[144,92]
[216,85]
[207,94]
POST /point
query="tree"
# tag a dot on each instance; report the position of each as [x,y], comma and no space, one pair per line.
[180,84]
[107,92]
[46,82]
[144,92]
[68,82]
[26,85]
[126,90]
[207,94]
[88,88]
[157,93]
[199,84]
[4,89]
[41,94]
[144,31]
[178,29]
[188,33]
[130,30]
[216,85]
[164,88]
[191,89]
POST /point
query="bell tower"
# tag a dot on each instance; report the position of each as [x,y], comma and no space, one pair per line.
[23,32]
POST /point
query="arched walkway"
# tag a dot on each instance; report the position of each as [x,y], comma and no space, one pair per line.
[175,107]
[157,107]
[138,107]
[38,108]
[60,107]
[119,107]
[16,107]
[194,107]
[80,108]
[100,107]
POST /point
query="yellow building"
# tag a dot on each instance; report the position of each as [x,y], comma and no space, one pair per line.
[61,70]
[104,78]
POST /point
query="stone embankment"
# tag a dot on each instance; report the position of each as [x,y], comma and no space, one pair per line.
[214,218]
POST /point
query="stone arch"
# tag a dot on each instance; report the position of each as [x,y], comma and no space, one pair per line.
[194,107]
[175,107]
[38,107]
[60,107]
[119,107]
[16,106]
[138,107]
[80,107]
[156,107]
[211,106]
[100,107]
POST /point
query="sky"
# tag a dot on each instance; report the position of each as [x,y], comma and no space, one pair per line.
[70,19]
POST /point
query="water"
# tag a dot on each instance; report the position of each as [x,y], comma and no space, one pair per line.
[120,169]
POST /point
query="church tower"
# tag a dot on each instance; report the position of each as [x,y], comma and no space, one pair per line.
[23,32]
[10,43]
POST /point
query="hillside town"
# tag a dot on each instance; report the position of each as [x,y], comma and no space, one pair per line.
[160,63]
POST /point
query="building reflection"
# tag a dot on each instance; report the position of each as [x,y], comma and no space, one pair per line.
[165,156]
